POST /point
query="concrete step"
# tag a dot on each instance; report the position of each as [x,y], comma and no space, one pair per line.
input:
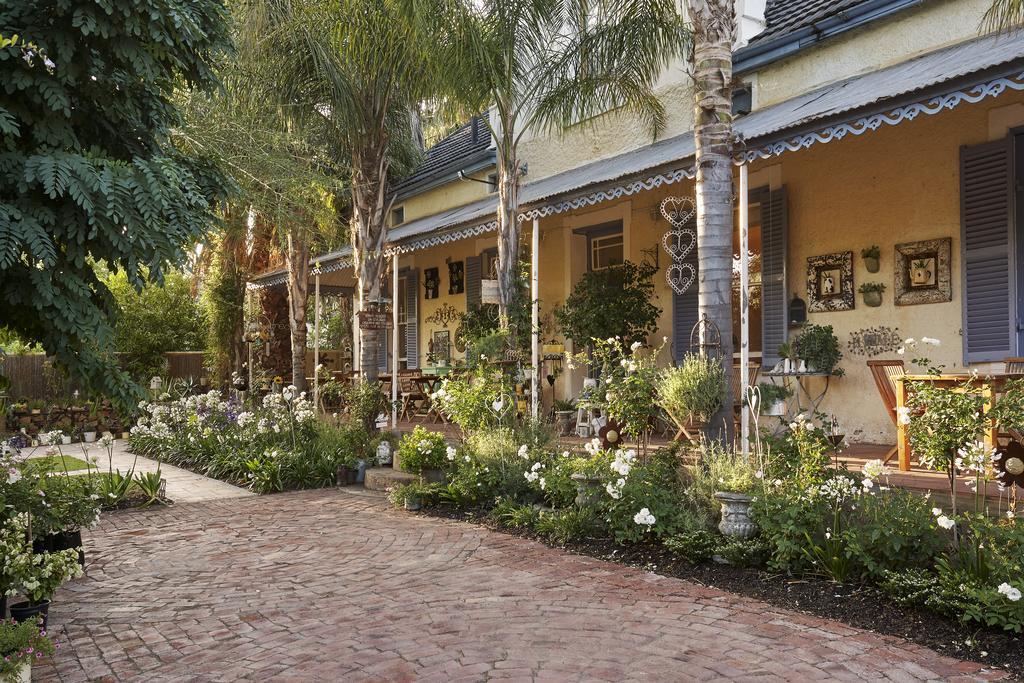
[384,478]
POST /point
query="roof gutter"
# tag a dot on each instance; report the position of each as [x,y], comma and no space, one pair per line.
[758,55]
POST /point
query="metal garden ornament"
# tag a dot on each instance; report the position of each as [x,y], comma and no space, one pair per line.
[679,242]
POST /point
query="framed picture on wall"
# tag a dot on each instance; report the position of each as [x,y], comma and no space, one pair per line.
[431,283]
[456,277]
[922,272]
[441,347]
[830,282]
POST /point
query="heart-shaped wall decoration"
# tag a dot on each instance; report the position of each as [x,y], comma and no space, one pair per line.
[678,210]
[680,276]
[679,242]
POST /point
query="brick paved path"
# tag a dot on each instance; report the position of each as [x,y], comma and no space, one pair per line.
[334,586]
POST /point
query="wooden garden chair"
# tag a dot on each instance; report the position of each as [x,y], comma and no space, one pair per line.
[887,374]
[1013,366]
[409,394]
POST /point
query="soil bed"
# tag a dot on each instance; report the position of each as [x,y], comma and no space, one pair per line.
[859,606]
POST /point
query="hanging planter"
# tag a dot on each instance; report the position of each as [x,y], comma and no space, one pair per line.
[871,258]
[872,293]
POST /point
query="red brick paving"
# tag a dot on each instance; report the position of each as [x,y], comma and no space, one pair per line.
[333,586]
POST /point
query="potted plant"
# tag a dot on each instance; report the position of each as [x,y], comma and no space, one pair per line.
[871,255]
[424,453]
[692,391]
[819,347]
[736,479]
[872,292]
[565,413]
[773,398]
[20,644]
[786,354]
[37,576]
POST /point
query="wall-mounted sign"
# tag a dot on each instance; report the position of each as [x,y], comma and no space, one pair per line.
[489,291]
[375,317]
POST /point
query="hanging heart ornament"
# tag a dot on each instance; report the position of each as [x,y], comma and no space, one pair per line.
[679,242]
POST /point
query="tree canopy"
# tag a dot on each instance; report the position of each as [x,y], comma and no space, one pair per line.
[88,170]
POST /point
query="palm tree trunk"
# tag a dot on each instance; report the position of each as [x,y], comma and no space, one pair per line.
[369,230]
[714,28]
[508,228]
[297,257]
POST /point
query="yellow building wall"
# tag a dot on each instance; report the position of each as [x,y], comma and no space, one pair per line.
[455,193]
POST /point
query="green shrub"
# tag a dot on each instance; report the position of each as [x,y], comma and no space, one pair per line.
[513,515]
[696,387]
[653,486]
[567,525]
[428,495]
[422,450]
[694,546]
[612,302]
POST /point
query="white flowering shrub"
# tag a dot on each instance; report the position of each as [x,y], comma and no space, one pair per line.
[274,444]
[423,450]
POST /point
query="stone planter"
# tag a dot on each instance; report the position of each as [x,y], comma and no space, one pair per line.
[23,674]
[871,264]
[432,476]
[736,520]
[872,298]
[588,490]
[89,437]
[776,408]
[564,420]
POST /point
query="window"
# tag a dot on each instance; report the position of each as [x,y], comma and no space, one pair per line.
[397,216]
[606,251]
[489,264]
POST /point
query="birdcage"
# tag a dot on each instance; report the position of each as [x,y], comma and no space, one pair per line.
[706,338]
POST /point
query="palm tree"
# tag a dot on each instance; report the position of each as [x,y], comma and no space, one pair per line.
[1004,15]
[714,29]
[540,66]
[358,68]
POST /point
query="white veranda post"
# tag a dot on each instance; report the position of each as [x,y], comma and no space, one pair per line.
[394,341]
[535,319]
[744,311]
[316,339]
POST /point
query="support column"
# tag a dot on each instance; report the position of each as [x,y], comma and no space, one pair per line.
[535,319]
[744,309]
[316,339]
[394,341]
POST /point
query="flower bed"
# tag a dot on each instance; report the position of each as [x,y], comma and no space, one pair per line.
[839,533]
[274,445]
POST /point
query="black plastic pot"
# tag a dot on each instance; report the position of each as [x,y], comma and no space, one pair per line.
[25,611]
[60,540]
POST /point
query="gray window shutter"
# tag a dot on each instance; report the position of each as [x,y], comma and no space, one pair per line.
[473,277]
[684,307]
[987,251]
[412,339]
[382,341]
[774,297]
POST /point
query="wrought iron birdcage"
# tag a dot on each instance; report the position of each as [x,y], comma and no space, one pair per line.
[706,338]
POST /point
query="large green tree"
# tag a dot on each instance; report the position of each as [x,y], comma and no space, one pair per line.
[88,171]
[542,65]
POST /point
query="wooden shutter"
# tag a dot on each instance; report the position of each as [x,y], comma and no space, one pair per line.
[473,276]
[684,307]
[774,297]
[412,339]
[986,248]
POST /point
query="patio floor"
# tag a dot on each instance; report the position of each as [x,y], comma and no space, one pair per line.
[334,585]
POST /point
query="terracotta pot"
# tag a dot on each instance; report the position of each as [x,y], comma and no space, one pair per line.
[736,521]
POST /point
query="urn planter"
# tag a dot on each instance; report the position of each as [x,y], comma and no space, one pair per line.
[588,489]
[564,419]
[736,521]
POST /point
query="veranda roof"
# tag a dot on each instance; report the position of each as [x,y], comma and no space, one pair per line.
[967,72]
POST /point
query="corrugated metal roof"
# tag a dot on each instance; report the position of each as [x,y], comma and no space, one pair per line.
[822,105]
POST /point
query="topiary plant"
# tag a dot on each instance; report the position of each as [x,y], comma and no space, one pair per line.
[696,387]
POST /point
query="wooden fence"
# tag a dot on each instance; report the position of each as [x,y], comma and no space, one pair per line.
[32,377]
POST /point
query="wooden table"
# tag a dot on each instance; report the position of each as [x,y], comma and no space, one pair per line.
[987,385]
[428,387]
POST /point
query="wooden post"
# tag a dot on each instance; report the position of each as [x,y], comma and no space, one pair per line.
[902,438]
[535,320]
[316,338]
[394,341]
[744,311]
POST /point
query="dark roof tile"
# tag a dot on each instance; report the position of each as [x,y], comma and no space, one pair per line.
[467,143]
